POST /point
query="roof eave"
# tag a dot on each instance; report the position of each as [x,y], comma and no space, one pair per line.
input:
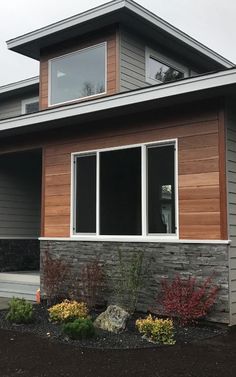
[24,43]
[125,100]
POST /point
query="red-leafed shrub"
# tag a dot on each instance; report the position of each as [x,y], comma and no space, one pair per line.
[186,299]
[92,284]
[55,272]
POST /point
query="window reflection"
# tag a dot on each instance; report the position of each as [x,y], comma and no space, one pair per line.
[77,75]
[162,72]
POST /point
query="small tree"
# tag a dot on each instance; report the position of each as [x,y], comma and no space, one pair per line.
[92,284]
[55,272]
[130,280]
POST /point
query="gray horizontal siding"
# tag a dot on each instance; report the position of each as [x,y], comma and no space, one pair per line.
[231,177]
[20,189]
[11,107]
[132,62]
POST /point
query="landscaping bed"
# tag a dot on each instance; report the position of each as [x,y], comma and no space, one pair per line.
[129,339]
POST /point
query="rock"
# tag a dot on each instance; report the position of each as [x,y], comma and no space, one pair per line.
[113,319]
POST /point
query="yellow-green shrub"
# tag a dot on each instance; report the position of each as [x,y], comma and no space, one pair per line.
[68,311]
[157,330]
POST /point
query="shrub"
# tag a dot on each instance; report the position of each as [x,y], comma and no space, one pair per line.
[130,280]
[157,330]
[20,311]
[184,299]
[79,329]
[68,311]
[92,283]
[55,272]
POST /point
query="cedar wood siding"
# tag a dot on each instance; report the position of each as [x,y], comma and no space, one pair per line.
[200,153]
[201,215]
[110,36]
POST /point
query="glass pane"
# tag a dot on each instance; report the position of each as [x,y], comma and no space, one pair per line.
[120,192]
[32,107]
[162,72]
[161,198]
[78,75]
[86,194]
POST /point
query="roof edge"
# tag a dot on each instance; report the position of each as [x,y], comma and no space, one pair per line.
[19,84]
[112,6]
[145,95]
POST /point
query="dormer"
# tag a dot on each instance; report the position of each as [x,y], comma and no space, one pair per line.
[116,47]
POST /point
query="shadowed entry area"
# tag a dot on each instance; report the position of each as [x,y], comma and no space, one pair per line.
[20,207]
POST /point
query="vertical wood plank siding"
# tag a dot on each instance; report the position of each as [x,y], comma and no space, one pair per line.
[231,174]
[199,182]
[109,36]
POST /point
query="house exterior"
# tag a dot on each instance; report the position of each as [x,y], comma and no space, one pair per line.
[132,150]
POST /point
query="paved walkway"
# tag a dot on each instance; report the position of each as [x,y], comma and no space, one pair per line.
[4,303]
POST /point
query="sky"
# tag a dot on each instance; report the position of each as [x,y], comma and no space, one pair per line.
[211,22]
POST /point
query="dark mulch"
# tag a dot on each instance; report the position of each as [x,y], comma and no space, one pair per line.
[28,351]
[28,355]
[103,339]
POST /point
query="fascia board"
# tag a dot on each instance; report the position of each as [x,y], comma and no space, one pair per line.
[165,91]
[19,85]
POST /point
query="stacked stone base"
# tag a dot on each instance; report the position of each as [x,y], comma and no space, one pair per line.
[160,260]
[19,255]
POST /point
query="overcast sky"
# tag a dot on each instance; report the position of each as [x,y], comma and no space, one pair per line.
[212,22]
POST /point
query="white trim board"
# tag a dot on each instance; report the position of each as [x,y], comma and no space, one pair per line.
[134,239]
[109,8]
[186,86]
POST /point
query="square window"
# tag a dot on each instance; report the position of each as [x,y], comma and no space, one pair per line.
[78,75]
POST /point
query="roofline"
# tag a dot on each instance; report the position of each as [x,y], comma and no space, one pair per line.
[186,86]
[111,7]
[19,84]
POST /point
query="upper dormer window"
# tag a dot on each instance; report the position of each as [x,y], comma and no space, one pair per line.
[30,105]
[160,69]
[78,75]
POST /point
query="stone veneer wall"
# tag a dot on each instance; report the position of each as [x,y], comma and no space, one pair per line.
[19,255]
[160,260]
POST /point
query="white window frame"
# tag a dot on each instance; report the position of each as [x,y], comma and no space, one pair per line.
[150,53]
[145,236]
[73,53]
[27,101]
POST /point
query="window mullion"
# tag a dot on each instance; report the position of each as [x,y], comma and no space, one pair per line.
[98,195]
[144,190]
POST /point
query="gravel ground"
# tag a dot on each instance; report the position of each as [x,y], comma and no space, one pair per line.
[130,339]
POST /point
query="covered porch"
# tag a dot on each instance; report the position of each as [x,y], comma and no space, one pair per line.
[20,219]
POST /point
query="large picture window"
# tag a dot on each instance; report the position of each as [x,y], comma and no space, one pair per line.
[126,192]
[78,75]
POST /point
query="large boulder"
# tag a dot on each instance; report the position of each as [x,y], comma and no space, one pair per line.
[113,319]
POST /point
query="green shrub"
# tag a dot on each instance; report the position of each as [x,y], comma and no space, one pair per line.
[157,330]
[81,328]
[20,311]
[68,311]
